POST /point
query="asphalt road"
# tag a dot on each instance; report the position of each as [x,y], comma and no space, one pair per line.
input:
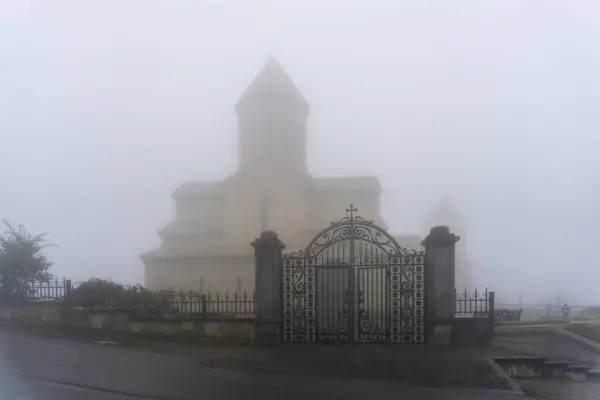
[38,368]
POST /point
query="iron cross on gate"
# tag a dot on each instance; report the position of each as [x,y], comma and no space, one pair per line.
[351,210]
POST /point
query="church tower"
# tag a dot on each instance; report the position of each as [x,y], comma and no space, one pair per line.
[269,189]
[272,118]
[207,245]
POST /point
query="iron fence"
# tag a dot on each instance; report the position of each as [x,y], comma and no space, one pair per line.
[26,290]
[476,304]
[134,297]
[503,315]
[550,311]
[208,304]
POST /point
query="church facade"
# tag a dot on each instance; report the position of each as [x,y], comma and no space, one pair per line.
[207,246]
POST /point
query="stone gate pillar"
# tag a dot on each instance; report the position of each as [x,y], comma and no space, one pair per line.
[268,286]
[440,283]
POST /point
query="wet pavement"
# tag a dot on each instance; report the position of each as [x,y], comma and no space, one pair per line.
[560,390]
[40,368]
[545,344]
[555,347]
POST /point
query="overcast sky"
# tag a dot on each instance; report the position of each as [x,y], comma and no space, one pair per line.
[107,106]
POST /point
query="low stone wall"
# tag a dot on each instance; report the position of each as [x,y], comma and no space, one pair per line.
[50,311]
[472,332]
[232,328]
[124,320]
[458,331]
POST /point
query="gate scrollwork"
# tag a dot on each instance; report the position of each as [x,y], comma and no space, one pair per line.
[353,281]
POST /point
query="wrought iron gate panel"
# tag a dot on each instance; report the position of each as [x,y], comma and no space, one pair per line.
[407,298]
[372,323]
[353,282]
[299,300]
[333,303]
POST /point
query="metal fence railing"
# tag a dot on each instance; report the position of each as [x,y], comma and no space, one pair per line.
[21,290]
[209,304]
[475,304]
[134,297]
[504,315]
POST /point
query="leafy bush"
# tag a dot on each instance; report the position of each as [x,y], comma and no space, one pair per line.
[148,303]
[22,263]
[97,293]
[100,293]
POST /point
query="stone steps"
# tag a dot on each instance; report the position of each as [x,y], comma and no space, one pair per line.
[541,367]
[594,374]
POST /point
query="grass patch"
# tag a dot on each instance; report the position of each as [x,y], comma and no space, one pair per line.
[591,332]
[133,339]
[531,322]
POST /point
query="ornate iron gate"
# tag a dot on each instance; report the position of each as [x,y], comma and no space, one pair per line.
[353,282]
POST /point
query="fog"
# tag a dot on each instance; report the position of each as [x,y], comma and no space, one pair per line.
[108,106]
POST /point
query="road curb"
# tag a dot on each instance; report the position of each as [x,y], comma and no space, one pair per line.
[577,338]
[508,329]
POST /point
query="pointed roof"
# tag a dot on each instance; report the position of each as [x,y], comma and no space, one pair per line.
[272,83]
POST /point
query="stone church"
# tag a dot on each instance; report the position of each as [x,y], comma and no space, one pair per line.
[207,246]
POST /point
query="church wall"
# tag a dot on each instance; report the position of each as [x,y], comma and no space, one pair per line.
[275,131]
[222,275]
[290,147]
[367,204]
[330,205]
[324,208]
[193,241]
[203,211]
[288,214]
[156,275]
[242,215]
[250,143]
[206,274]
[245,219]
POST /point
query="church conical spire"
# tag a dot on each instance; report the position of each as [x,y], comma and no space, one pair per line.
[272,84]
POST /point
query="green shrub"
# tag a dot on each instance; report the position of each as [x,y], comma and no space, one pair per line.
[100,293]
[22,262]
[97,293]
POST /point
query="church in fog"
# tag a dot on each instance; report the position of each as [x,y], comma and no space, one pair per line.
[207,246]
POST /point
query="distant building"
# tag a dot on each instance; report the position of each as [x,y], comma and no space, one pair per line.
[207,246]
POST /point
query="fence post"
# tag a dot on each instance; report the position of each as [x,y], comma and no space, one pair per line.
[440,285]
[492,309]
[68,289]
[204,304]
[5,288]
[269,286]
